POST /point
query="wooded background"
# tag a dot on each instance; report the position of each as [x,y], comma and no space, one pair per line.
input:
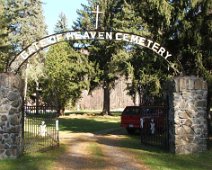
[119,98]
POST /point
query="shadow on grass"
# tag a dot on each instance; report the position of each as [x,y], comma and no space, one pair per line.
[82,125]
[128,141]
[78,125]
[158,158]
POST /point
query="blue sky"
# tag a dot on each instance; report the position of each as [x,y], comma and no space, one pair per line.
[52,9]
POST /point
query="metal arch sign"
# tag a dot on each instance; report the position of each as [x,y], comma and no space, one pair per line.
[30,50]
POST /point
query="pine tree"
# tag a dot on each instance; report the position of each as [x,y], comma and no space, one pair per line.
[3,37]
[67,72]
[6,50]
[27,27]
[24,23]
[184,27]
[66,75]
[141,66]
[100,53]
[29,24]
[61,25]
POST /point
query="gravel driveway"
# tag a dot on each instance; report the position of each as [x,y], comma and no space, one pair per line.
[108,155]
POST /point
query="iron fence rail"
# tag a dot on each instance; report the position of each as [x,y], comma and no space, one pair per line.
[40,110]
[41,128]
[154,130]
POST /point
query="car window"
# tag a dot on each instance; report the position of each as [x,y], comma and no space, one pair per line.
[152,111]
[131,111]
[148,111]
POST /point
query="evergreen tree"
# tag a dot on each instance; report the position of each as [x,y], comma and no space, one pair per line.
[184,27]
[66,75]
[61,25]
[67,72]
[6,50]
[4,45]
[100,53]
[145,69]
[26,27]
[29,24]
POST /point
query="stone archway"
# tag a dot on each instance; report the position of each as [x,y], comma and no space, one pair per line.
[11,114]
[188,96]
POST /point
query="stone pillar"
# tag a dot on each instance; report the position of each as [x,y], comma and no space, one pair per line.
[187,115]
[11,129]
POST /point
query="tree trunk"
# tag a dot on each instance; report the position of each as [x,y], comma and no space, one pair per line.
[25,87]
[106,101]
[136,99]
[209,114]
[37,98]
[26,82]
[61,111]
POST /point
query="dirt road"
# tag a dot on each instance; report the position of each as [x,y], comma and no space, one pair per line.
[87,151]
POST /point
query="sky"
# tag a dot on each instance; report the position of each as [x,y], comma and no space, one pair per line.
[52,9]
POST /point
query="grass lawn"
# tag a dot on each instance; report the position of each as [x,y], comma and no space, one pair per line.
[45,160]
[158,159]
[155,158]
[33,161]
[88,123]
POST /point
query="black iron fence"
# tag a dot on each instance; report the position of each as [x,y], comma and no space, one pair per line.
[41,128]
[41,110]
[154,127]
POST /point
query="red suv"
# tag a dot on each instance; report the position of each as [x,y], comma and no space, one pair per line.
[150,119]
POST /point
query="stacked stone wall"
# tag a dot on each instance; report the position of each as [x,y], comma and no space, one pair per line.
[10,116]
[187,115]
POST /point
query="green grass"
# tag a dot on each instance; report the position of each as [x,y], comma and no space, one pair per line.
[98,157]
[92,112]
[159,159]
[91,124]
[155,158]
[33,141]
[164,160]
[33,161]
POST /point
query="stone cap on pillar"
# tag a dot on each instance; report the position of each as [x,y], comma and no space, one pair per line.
[189,83]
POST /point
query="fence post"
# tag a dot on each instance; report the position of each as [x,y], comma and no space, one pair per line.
[57,130]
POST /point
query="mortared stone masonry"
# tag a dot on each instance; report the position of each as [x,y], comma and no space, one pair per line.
[188,131]
[187,115]
[11,129]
